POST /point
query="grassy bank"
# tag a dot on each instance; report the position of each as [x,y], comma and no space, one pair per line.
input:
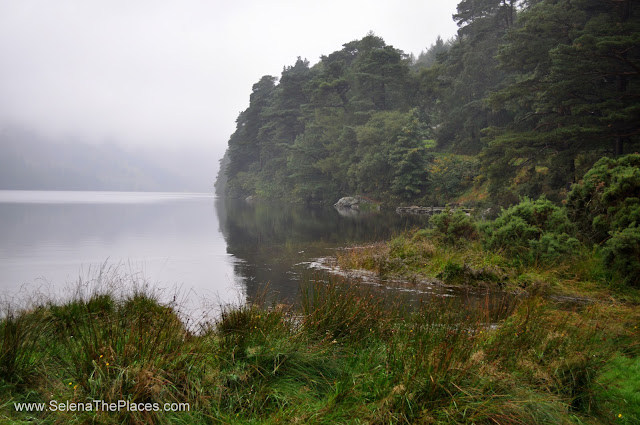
[422,255]
[532,247]
[341,357]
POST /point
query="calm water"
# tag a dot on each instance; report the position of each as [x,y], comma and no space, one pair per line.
[210,249]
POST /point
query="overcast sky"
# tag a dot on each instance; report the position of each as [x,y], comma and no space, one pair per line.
[176,73]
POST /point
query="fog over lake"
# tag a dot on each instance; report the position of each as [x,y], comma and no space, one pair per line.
[50,239]
[210,251]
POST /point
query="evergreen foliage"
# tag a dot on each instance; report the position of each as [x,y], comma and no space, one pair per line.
[538,90]
[430,57]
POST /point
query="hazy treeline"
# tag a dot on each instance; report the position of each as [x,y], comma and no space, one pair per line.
[523,101]
[29,161]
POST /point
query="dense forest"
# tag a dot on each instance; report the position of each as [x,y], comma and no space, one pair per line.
[522,102]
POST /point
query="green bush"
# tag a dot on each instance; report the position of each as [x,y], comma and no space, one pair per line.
[452,273]
[606,206]
[607,198]
[622,255]
[551,246]
[627,214]
[531,231]
[454,226]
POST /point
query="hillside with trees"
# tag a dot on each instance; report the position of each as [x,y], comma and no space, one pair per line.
[522,102]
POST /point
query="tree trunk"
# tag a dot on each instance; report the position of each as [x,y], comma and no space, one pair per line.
[572,171]
[618,146]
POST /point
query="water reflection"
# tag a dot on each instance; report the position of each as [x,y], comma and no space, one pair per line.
[276,244]
[172,240]
[218,250]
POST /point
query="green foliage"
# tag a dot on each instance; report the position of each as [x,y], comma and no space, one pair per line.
[408,158]
[452,273]
[373,171]
[340,127]
[539,89]
[552,246]
[454,227]
[622,255]
[450,175]
[606,206]
[572,93]
[532,231]
[608,197]
[430,56]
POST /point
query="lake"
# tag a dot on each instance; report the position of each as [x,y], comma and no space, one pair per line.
[206,248]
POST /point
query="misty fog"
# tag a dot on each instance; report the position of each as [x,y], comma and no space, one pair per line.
[159,84]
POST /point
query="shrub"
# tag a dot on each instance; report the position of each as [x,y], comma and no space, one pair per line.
[607,198]
[452,272]
[606,206]
[532,231]
[622,255]
[551,246]
[454,226]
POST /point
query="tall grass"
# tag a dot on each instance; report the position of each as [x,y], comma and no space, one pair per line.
[341,311]
[20,344]
[344,355]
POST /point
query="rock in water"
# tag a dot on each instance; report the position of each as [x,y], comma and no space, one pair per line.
[348,202]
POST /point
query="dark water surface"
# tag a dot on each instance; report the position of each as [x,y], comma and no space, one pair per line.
[221,251]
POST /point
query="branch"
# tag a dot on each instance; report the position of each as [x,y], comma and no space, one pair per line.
[532,157]
[529,115]
[628,62]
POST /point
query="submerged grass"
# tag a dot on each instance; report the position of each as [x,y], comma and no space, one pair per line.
[343,356]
